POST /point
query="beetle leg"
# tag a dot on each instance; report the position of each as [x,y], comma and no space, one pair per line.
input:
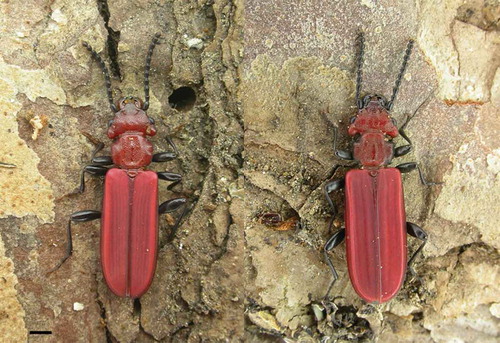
[81,216]
[410,166]
[168,176]
[417,232]
[330,187]
[164,156]
[402,131]
[102,160]
[402,150]
[337,238]
[342,154]
[92,170]
[99,147]
[168,155]
[172,144]
[171,206]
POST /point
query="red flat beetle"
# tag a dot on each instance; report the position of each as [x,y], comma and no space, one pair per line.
[375,219]
[129,217]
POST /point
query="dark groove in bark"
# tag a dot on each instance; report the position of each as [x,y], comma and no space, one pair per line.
[113,38]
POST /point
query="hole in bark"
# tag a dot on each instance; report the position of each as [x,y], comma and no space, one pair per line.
[182,99]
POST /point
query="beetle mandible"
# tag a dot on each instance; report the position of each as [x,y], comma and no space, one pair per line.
[375,220]
[129,216]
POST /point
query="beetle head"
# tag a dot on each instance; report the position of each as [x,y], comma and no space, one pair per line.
[374,100]
[130,116]
[132,102]
[373,116]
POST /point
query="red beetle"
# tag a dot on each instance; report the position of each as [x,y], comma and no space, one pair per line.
[129,217]
[375,220]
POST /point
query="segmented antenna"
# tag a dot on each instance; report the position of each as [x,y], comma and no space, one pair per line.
[359,72]
[156,40]
[395,90]
[105,71]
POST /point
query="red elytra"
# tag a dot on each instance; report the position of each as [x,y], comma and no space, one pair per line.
[375,224]
[129,231]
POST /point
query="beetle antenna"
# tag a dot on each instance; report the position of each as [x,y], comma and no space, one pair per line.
[395,90]
[359,71]
[147,68]
[105,71]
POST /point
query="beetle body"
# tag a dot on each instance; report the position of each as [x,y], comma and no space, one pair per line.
[375,219]
[129,222]
[130,210]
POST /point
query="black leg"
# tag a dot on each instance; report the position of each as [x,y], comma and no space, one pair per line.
[417,232]
[164,156]
[403,128]
[167,156]
[102,160]
[171,206]
[95,170]
[339,236]
[342,154]
[99,147]
[81,216]
[404,149]
[172,144]
[328,175]
[168,176]
[92,170]
[335,240]
[330,187]
[410,166]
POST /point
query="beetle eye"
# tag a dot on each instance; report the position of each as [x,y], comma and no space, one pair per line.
[394,122]
[110,123]
[352,120]
[151,120]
